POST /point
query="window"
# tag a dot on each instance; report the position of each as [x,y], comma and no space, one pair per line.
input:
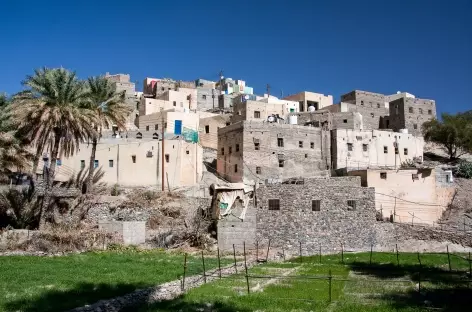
[414,176]
[187,152]
[316,205]
[95,163]
[280,142]
[349,147]
[133,158]
[281,163]
[58,162]
[228,123]
[362,102]
[156,127]
[204,97]
[430,112]
[230,150]
[396,110]
[167,157]
[258,170]
[351,204]
[174,103]
[236,168]
[372,115]
[385,149]
[415,126]
[274,204]
[420,110]
[237,147]
[155,136]
[383,175]
[207,129]
[222,151]
[257,114]
[147,128]
[410,110]
[165,125]
[162,89]
[110,163]
[396,150]
[378,105]
[365,147]
[405,151]
[300,144]
[312,144]
[344,120]
[139,135]
[82,164]
[256,146]
[306,155]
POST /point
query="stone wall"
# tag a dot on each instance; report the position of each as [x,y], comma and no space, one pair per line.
[372,115]
[207,98]
[411,113]
[329,121]
[364,98]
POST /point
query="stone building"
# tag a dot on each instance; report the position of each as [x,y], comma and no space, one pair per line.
[182,98]
[208,130]
[354,149]
[154,87]
[207,98]
[261,110]
[372,106]
[225,102]
[175,122]
[329,121]
[249,150]
[310,99]
[410,113]
[408,195]
[123,83]
[318,212]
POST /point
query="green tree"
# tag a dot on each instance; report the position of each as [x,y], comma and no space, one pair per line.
[110,110]
[51,113]
[453,133]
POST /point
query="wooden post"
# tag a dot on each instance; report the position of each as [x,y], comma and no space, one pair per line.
[371,247]
[257,251]
[283,252]
[234,257]
[301,260]
[245,268]
[185,271]
[470,268]
[320,253]
[419,259]
[204,273]
[219,262]
[342,254]
[268,248]
[168,185]
[448,257]
[412,218]
[330,277]
[398,260]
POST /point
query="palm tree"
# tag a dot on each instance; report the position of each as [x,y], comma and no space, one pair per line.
[13,155]
[51,114]
[109,108]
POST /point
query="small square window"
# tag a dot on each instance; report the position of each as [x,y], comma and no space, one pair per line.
[274,204]
[420,110]
[344,120]
[222,151]
[236,168]
[147,128]
[133,158]
[257,114]
[383,175]
[349,147]
[351,204]
[258,170]
[82,164]
[165,125]
[414,176]
[365,147]
[187,152]
[230,150]
[316,205]
[312,144]
[362,102]
[415,126]
[300,144]
[162,89]
[281,163]
[430,112]
[410,110]
[110,163]
[228,123]
[237,147]
[306,155]
[156,127]
[207,129]
[396,150]
[204,97]
[58,162]
[378,105]
[174,103]
[96,163]
[405,151]
[280,142]
[256,146]
[385,149]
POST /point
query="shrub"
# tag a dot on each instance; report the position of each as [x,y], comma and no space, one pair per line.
[115,191]
[464,169]
[150,195]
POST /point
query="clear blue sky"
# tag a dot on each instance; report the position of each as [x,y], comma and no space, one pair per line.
[331,47]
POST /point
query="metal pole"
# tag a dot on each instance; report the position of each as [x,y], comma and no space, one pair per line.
[448,257]
[330,279]
[245,268]
[204,273]
[163,155]
[301,260]
[342,253]
[398,261]
[185,271]
[257,251]
[320,253]
[219,262]
[234,257]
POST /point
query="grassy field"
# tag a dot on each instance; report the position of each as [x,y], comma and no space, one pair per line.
[382,283]
[30,283]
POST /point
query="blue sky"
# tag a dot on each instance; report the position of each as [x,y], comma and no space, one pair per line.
[330,47]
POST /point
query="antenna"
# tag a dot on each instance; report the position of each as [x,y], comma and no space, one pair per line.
[268,90]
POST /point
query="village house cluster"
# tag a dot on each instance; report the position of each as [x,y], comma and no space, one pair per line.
[289,150]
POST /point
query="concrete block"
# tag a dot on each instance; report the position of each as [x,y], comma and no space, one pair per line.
[132,232]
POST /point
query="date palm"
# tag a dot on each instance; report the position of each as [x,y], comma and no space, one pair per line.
[50,115]
[109,109]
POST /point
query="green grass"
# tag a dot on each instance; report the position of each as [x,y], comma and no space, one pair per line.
[30,283]
[359,284]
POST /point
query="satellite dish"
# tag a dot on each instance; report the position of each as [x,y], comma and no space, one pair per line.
[270,119]
[311,108]
[246,97]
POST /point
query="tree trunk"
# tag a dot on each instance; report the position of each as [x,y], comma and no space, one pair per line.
[48,183]
[91,166]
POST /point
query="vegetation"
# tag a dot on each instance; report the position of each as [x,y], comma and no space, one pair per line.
[359,284]
[464,169]
[66,282]
[453,133]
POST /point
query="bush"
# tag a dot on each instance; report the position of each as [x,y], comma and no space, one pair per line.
[150,195]
[115,191]
[464,170]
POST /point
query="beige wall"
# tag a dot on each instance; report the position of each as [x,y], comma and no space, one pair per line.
[189,120]
[150,106]
[374,157]
[183,168]
[183,97]
[245,111]
[399,193]
[304,97]
[211,124]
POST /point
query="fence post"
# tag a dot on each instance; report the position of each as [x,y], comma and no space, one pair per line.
[219,262]
[268,248]
[470,267]
[419,259]
[342,253]
[419,273]
[234,257]
[371,247]
[398,260]
[448,257]
[320,253]
[330,277]
[413,218]
[185,271]
[245,268]
[257,251]
[204,273]
[283,252]
[301,259]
